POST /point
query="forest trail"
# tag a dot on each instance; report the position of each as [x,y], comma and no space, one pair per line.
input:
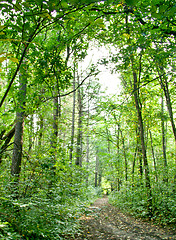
[104,221]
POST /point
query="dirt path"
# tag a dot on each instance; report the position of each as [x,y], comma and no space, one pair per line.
[103,221]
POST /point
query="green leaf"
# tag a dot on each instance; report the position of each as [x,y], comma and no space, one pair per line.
[2,59]
[15,60]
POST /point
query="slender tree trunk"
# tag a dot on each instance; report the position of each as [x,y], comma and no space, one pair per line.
[55,122]
[133,166]
[30,133]
[153,154]
[125,158]
[165,87]
[87,139]
[109,151]
[118,157]
[73,119]
[79,136]
[41,125]
[165,178]
[56,116]
[139,152]
[96,169]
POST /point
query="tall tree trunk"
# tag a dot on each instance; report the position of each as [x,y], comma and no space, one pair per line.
[140,121]
[153,154]
[87,139]
[133,166]
[54,137]
[56,115]
[18,139]
[79,136]
[96,169]
[55,122]
[109,151]
[41,125]
[165,87]
[139,151]
[125,158]
[136,81]
[118,157]
[165,178]
[73,118]
[30,133]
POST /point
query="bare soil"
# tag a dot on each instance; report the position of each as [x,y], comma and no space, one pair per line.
[104,221]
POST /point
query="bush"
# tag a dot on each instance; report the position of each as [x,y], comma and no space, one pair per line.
[134,200]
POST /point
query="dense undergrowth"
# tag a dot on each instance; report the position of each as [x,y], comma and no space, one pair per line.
[41,212]
[134,200]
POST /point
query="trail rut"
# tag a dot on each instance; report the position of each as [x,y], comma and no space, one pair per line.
[104,221]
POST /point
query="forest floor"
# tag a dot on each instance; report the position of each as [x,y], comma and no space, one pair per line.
[104,221]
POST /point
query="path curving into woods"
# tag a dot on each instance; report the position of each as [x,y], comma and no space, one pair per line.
[104,221]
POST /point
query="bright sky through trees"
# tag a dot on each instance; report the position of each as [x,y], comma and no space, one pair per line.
[109,81]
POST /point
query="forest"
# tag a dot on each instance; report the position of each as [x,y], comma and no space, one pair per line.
[64,141]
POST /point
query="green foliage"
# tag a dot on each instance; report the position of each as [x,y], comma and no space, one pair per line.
[48,213]
[134,200]
[51,39]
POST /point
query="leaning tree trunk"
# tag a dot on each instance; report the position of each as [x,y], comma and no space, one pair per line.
[165,87]
[6,141]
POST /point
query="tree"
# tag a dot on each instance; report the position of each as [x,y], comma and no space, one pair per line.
[20,115]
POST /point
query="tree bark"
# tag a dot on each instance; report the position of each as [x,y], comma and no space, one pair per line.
[18,140]
[139,151]
[165,87]
[41,125]
[145,161]
[73,118]
[153,154]
[96,169]
[125,158]
[87,139]
[165,178]
[56,115]
[30,133]
[79,135]
[7,138]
